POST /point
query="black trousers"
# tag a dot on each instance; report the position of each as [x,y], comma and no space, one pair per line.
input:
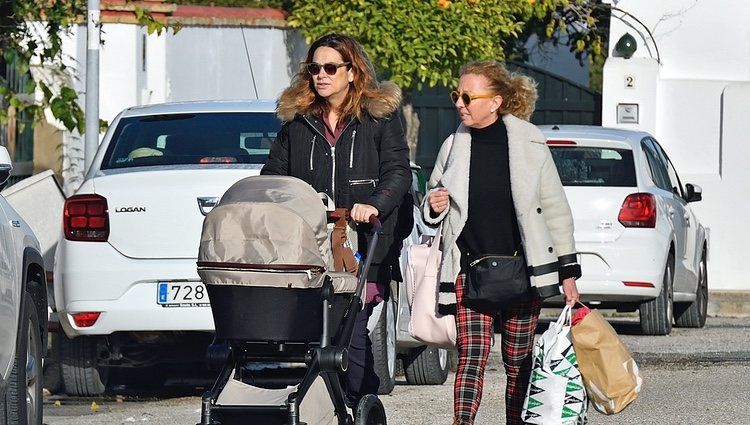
[360,378]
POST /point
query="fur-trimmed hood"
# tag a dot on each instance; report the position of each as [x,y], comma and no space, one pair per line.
[380,103]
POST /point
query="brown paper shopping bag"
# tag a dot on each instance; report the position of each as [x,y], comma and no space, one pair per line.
[609,372]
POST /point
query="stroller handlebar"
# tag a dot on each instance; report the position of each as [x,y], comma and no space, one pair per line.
[377,226]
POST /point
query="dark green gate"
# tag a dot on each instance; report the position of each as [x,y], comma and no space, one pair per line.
[20,144]
[561,101]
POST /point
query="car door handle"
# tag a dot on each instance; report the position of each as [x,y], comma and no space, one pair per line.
[207,203]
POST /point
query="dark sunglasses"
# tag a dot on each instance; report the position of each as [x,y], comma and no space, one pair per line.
[330,68]
[467,97]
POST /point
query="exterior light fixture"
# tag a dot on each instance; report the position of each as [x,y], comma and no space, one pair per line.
[625,46]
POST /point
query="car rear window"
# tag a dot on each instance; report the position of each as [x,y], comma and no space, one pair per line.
[199,138]
[594,166]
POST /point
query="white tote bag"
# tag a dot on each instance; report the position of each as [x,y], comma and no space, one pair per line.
[556,395]
[421,279]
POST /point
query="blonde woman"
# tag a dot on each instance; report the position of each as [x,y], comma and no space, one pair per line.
[496,188]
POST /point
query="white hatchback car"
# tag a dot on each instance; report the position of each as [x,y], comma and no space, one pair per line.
[641,246]
[23,314]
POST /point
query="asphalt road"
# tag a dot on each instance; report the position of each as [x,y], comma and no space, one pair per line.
[693,376]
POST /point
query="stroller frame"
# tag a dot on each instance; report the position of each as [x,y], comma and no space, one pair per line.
[327,360]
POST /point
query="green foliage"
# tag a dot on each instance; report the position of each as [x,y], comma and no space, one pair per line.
[145,19]
[21,47]
[31,32]
[426,41]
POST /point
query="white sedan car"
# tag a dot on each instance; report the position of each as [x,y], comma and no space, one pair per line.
[23,314]
[641,246]
[127,293]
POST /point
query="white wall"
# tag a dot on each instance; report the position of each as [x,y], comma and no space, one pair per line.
[693,96]
[203,64]
[197,63]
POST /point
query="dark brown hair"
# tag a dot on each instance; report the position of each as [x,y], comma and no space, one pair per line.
[301,93]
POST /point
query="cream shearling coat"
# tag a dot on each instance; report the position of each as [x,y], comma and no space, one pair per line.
[543,213]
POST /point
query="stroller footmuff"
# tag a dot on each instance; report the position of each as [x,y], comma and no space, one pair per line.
[283,318]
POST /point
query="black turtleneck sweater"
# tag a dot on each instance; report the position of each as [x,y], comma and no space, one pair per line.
[491,226]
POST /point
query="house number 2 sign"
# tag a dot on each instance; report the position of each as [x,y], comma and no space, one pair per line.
[629,82]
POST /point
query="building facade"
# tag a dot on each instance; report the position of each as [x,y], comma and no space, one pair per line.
[218,53]
[688,83]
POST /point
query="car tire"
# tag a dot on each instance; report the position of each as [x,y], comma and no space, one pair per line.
[693,315]
[23,398]
[79,362]
[426,365]
[656,315]
[383,338]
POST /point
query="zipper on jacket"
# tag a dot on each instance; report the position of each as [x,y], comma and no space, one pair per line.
[351,152]
[373,182]
[333,153]
[312,150]
[333,172]
[475,262]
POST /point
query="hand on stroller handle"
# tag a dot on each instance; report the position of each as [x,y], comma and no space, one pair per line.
[361,213]
[376,225]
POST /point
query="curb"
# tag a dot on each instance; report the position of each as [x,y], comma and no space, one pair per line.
[720,304]
[729,303]
[687,358]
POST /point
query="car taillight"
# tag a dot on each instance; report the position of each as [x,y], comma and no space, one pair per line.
[85,320]
[86,218]
[638,210]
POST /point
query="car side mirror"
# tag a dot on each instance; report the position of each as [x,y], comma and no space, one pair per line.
[5,167]
[693,192]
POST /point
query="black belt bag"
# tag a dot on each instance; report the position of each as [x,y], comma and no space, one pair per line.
[495,282]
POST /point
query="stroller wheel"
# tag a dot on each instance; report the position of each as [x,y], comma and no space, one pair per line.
[370,411]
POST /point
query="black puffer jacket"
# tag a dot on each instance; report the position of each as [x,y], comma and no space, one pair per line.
[369,164]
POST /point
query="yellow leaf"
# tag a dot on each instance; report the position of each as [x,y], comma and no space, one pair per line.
[57,403]
[94,406]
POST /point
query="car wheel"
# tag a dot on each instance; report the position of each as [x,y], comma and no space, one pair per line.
[23,399]
[426,366]
[383,338]
[693,315]
[656,315]
[370,411]
[79,361]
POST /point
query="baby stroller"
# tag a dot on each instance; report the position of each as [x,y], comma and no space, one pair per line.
[283,319]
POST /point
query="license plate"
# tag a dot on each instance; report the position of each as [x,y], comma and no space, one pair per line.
[182,294]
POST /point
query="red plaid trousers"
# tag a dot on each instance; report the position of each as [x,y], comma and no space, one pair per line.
[474,339]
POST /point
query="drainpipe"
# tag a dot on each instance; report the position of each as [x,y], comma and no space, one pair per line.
[92,84]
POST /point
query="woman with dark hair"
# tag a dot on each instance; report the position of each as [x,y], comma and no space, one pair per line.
[342,135]
[496,190]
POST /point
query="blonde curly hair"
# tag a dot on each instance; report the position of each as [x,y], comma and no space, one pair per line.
[518,91]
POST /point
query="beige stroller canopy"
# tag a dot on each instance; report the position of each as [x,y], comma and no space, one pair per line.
[268,220]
